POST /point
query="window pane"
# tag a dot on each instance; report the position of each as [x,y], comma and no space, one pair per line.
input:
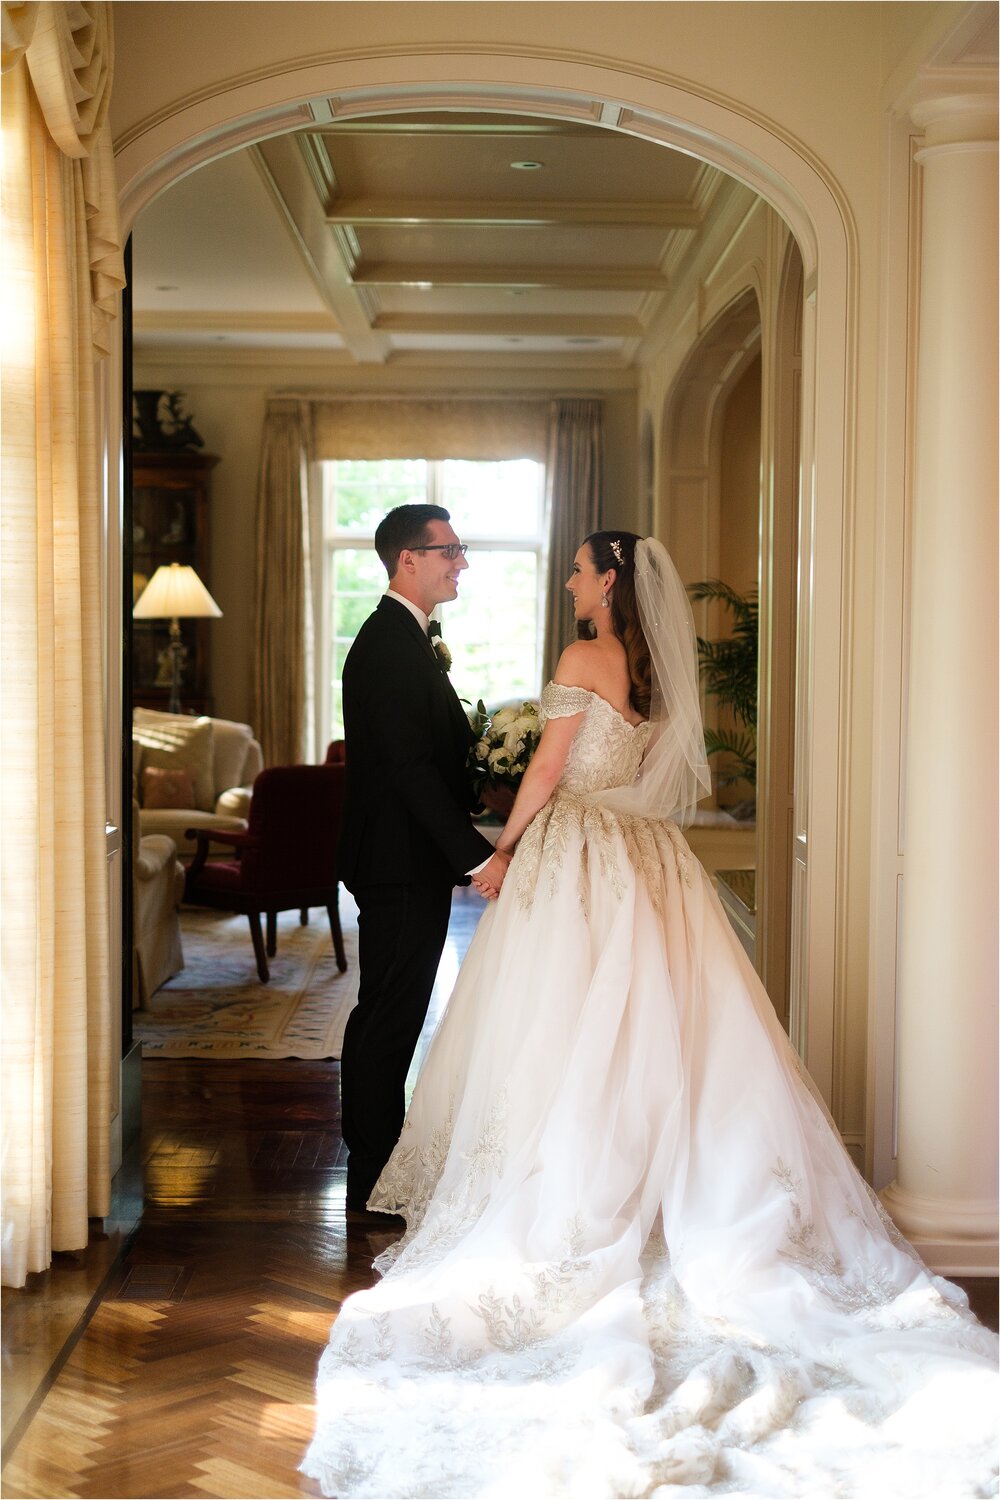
[358,584]
[360,492]
[492,628]
[493,499]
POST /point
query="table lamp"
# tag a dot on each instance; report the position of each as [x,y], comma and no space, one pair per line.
[175,592]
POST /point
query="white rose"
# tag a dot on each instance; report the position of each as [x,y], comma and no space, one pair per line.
[503,718]
[498,757]
[482,750]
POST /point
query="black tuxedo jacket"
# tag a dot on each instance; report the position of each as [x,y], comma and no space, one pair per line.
[408,797]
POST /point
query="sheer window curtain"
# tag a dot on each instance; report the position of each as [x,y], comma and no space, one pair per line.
[574,481]
[284,667]
[60,275]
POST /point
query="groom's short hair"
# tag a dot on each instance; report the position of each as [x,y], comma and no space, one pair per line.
[406,526]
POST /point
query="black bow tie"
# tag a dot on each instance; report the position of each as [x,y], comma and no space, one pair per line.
[433,628]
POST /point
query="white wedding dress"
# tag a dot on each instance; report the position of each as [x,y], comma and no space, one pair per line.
[638,1261]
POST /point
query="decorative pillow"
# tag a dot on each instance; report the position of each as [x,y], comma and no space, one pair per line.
[176,742]
[167,788]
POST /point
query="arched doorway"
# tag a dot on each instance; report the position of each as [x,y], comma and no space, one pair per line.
[765,159]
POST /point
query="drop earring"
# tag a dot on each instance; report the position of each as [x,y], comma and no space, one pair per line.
[604,602]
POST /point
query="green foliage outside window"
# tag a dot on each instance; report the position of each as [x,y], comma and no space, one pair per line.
[492,628]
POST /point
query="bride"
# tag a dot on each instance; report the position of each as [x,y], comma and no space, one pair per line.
[637,1259]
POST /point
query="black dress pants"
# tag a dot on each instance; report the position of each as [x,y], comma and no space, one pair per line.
[401,933]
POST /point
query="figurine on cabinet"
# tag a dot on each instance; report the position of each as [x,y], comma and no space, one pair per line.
[160,424]
[176,532]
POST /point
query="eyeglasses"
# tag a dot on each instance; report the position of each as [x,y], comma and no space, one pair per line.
[451,550]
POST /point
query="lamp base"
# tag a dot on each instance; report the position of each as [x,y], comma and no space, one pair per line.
[177,652]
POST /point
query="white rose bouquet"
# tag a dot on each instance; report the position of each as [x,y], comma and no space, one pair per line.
[507,740]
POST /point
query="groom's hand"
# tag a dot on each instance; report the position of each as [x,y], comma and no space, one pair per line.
[489,879]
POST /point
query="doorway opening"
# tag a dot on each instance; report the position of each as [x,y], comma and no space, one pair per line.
[651,128]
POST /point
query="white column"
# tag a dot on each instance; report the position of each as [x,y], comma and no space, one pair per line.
[945,1194]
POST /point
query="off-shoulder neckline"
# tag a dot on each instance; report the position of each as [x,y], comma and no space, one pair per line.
[573,688]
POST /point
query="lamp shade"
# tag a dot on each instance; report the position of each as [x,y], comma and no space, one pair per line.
[175,592]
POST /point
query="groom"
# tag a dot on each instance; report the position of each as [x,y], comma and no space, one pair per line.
[407,838]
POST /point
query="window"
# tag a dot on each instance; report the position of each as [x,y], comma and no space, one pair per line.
[495,627]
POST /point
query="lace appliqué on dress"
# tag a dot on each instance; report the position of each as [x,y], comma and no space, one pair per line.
[866,1288]
[409,1182]
[411,1174]
[605,842]
[606,752]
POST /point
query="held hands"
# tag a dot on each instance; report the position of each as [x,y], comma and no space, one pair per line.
[491,877]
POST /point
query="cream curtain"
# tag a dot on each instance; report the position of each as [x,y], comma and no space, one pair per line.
[60,273]
[283,656]
[574,478]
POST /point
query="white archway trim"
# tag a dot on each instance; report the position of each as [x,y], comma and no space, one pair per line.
[784,172]
[650,103]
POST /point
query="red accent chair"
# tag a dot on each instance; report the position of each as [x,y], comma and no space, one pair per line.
[286,860]
[335,756]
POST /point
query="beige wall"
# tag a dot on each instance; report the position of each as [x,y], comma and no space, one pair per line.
[227,397]
[739,493]
[815,68]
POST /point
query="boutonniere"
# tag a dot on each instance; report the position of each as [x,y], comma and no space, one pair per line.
[440,649]
[443,654]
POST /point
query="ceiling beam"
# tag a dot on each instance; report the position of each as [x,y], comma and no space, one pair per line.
[512,214]
[543,325]
[555,278]
[161,321]
[291,180]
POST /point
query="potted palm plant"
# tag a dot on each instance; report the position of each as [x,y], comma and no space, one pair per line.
[729,671]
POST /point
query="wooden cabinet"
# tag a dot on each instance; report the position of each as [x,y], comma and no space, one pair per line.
[170,523]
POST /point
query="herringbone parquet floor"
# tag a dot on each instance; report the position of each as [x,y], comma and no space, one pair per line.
[194,1377]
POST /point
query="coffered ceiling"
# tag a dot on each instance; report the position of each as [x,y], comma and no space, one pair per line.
[435,238]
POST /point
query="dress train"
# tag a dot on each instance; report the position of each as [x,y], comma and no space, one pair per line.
[638,1260]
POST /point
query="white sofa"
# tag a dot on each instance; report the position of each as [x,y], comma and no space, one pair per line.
[158,885]
[223,759]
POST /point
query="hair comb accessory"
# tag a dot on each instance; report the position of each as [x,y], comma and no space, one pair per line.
[616,548]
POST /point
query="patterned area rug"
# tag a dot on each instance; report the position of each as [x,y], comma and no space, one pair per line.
[217,1007]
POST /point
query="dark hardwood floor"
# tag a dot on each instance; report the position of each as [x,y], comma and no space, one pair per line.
[194,1376]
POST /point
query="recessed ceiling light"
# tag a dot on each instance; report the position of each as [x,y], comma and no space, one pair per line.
[583,341]
[168,288]
[512,340]
[527,166]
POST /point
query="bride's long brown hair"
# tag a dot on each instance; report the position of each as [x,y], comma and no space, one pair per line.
[624,609]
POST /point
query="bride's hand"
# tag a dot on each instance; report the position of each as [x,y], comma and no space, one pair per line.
[491,877]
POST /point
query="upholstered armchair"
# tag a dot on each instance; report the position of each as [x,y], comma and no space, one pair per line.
[193,773]
[286,859]
[157,888]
